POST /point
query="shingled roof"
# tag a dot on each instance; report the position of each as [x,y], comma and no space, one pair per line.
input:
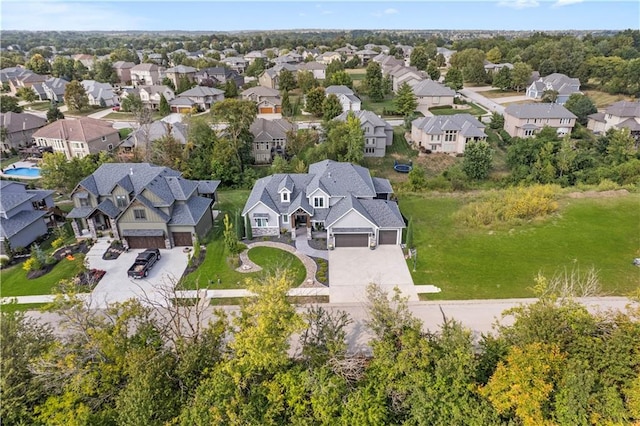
[82,130]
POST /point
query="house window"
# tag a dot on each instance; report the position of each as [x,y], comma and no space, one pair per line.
[84,202]
[318,202]
[284,197]
[529,132]
[110,147]
[140,214]
[262,222]
[450,135]
[104,139]
[565,120]
[369,150]
[285,218]
[121,201]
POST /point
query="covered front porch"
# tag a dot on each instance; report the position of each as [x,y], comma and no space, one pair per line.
[87,222]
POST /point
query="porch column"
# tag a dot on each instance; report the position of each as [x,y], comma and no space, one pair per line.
[114,229]
[76,228]
[92,228]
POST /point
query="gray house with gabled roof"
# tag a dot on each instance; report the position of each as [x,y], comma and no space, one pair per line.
[22,213]
[378,134]
[525,120]
[447,133]
[146,206]
[352,207]
[565,86]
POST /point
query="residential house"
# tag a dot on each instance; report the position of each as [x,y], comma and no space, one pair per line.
[86,60]
[269,138]
[144,135]
[78,137]
[156,58]
[447,53]
[267,99]
[563,85]
[146,75]
[271,77]
[123,71]
[51,89]
[18,129]
[26,79]
[202,97]
[447,133]
[378,134]
[218,75]
[144,205]
[430,93]
[255,54]
[236,63]
[151,95]
[348,100]
[619,115]
[387,62]
[402,74]
[175,74]
[328,57]
[491,68]
[100,94]
[366,55]
[353,208]
[347,52]
[291,58]
[317,69]
[22,215]
[525,120]
[379,48]
[10,73]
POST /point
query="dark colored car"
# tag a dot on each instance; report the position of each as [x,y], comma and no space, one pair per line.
[144,262]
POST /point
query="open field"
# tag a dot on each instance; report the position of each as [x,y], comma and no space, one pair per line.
[502,263]
[497,93]
[603,99]
[473,110]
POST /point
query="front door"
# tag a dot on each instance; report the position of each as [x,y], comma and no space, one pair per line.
[301,220]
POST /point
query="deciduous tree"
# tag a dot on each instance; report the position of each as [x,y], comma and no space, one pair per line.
[287,80]
[477,160]
[331,107]
[9,104]
[373,82]
[453,79]
[164,107]
[75,96]
[405,100]
[582,106]
[520,75]
[419,58]
[314,99]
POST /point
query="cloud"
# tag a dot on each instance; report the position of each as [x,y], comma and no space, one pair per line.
[561,3]
[518,4]
[52,16]
[390,11]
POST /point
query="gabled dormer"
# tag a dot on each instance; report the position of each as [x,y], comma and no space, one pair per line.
[285,189]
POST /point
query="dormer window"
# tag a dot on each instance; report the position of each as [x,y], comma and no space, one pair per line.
[318,202]
[284,196]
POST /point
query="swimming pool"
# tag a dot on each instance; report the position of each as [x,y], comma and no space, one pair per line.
[30,172]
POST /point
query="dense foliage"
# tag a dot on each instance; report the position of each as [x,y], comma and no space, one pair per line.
[556,364]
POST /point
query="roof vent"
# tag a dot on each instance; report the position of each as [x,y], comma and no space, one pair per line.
[329,174]
[131,171]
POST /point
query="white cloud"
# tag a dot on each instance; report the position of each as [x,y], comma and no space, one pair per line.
[519,4]
[560,3]
[391,11]
[67,17]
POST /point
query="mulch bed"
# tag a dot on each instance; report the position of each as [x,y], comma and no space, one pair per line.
[82,247]
[32,275]
[86,281]
[113,251]
[194,263]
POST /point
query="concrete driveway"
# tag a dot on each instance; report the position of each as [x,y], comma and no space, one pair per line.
[352,269]
[116,286]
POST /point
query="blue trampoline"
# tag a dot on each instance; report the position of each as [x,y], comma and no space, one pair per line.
[402,168]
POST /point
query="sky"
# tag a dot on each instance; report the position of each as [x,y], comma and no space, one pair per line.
[213,15]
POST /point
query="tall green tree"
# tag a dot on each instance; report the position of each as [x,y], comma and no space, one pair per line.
[419,58]
[373,82]
[340,78]
[314,100]
[9,104]
[502,79]
[477,160]
[333,67]
[230,89]
[26,94]
[520,75]
[306,81]
[582,106]
[238,115]
[54,113]
[405,100]
[331,107]
[255,68]
[453,79]
[75,96]
[164,107]
[104,72]
[345,140]
[433,71]
[287,80]
[38,64]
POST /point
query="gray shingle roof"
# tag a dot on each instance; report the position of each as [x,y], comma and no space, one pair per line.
[107,207]
[431,88]
[17,122]
[345,205]
[538,111]
[10,200]
[181,189]
[191,212]
[267,130]
[385,214]
[624,109]
[80,212]
[144,200]
[382,186]
[208,186]
[366,117]
[336,90]
[10,227]
[201,91]
[466,124]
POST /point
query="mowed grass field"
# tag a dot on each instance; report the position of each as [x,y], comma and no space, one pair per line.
[501,263]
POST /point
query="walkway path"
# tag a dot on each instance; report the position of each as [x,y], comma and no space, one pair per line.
[302,245]
[488,104]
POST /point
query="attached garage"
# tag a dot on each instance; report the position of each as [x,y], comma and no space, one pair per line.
[352,240]
[266,110]
[182,239]
[144,238]
[388,237]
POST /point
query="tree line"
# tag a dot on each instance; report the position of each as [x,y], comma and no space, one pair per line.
[270,363]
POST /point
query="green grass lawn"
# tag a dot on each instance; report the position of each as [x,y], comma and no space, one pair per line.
[497,93]
[127,116]
[473,110]
[502,263]
[399,150]
[272,259]
[379,107]
[14,307]
[37,106]
[84,112]
[9,161]
[15,283]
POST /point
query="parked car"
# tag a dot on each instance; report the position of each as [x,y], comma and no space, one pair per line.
[144,262]
[116,108]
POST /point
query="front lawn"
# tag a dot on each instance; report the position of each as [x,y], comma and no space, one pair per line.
[15,283]
[379,107]
[15,307]
[502,263]
[37,106]
[272,259]
[473,110]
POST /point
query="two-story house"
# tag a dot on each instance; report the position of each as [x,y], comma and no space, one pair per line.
[78,137]
[328,57]
[214,76]
[236,63]
[151,95]
[316,68]
[430,93]
[267,99]
[123,71]
[447,133]
[52,89]
[22,213]
[175,74]
[400,74]
[146,75]
[560,83]
[348,100]
[378,134]
[271,77]
[144,205]
[18,129]
[269,138]
[619,115]
[142,137]
[100,94]
[202,97]
[343,199]
[525,120]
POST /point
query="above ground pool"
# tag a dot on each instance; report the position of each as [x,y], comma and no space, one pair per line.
[402,168]
[30,172]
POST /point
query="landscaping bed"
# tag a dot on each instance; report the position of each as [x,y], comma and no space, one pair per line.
[114,251]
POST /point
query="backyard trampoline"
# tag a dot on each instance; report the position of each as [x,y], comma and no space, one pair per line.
[402,168]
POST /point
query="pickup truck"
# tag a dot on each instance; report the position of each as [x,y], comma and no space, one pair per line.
[144,262]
